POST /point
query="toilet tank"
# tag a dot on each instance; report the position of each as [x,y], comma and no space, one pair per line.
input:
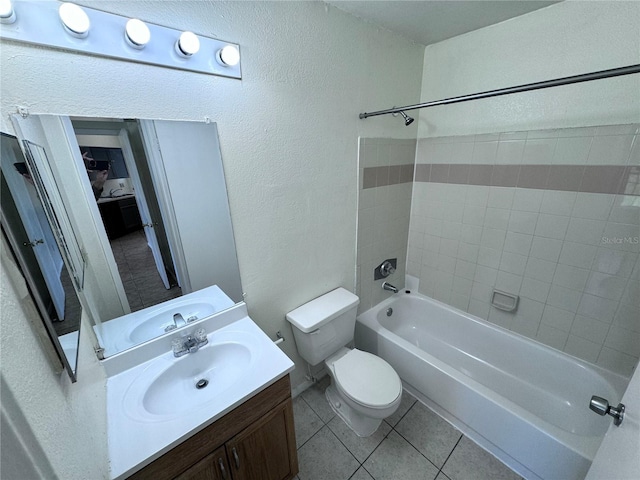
[324,325]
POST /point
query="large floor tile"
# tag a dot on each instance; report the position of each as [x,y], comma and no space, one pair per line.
[360,447]
[314,396]
[324,457]
[470,462]
[405,404]
[361,474]
[396,459]
[305,420]
[429,433]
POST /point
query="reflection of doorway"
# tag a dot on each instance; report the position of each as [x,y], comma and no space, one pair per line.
[142,284]
[148,276]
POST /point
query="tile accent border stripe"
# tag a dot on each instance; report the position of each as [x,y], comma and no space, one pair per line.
[619,180]
[387,175]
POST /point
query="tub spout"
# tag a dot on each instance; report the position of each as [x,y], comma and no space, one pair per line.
[389,287]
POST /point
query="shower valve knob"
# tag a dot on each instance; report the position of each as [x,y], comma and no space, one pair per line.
[387,269]
[601,407]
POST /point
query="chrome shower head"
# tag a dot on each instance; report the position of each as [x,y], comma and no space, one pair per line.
[407,119]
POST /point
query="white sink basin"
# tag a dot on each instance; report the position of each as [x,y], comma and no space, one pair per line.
[216,366]
[168,388]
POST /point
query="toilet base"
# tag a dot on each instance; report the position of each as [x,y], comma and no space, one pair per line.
[362,425]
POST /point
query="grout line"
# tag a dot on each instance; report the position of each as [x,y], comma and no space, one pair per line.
[449,456]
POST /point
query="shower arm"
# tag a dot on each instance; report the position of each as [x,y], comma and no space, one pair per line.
[586,77]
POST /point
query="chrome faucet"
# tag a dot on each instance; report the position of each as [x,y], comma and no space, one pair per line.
[178,319]
[389,287]
[189,344]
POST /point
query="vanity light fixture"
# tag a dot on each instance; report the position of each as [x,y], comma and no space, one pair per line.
[188,44]
[7,14]
[75,19]
[137,33]
[228,56]
[59,25]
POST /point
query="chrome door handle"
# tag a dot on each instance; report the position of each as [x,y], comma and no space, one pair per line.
[235,457]
[601,407]
[222,470]
[150,225]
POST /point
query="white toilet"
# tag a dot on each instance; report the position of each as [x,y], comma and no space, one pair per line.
[364,388]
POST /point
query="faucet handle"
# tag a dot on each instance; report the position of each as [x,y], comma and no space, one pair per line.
[201,335]
[177,345]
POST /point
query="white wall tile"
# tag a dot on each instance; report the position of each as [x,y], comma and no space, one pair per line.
[452,211]
[594,206]
[473,215]
[508,282]
[620,236]
[493,238]
[581,348]
[577,255]
[497,218]
[564,298]
[527,199]
[572,151]
[626,209]
[590,329]
[510,152]
[546,248]
[501,197]
[534,289]
[478,308]
[582,230]
[489,257]
[623,340]
[465,269]
[468,252]
[597,307]
[522,222]
[614,262]
[558,317]
[617,361]
[557,203]
[552,226]
[485,153]
[500,318]
[627,316]
[570,277]
[518,243]
[551,336]
[513,263]
[477,195]
[481,291]
[541,270]
[462,286]
[486,275]
[471,234]
[610,150]
[462,152]
[539,151]
[607,286]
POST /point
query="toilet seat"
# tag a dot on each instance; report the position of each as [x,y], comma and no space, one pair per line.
[367,379]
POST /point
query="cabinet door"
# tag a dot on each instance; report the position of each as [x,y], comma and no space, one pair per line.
[211,467]
[267,449]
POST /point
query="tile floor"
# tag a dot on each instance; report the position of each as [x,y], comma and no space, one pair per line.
[414,443]
[142,283]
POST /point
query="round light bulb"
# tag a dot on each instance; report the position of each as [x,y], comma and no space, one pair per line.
[137,33]
[7,14]
[229,56]
[188,44]
[74,19]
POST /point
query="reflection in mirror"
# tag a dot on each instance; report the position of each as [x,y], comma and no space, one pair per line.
[27,228]
[149,201]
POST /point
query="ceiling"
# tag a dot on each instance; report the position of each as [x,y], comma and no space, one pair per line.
[431,21]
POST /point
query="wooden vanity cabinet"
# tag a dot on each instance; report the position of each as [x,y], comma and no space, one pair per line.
[255,441]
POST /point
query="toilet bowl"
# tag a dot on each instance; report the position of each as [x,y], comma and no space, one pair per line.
[364,389]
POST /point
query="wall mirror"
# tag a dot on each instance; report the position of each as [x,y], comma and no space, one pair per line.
[35,238]
[147,200]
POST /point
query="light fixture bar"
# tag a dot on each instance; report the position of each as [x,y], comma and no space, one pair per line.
[39,23]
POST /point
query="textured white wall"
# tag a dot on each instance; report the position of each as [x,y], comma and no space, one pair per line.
[564,39]
[288,133]
[68,420]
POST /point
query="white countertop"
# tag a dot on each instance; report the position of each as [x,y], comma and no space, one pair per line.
[113,199]
[136,437]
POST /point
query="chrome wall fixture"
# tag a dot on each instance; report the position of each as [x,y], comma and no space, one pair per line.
[586,77]
[68,26]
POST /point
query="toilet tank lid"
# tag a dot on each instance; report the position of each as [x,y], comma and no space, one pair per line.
[316,313]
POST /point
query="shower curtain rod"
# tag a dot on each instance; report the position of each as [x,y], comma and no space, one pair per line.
[586,77]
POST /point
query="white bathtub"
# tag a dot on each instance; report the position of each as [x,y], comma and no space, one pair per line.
[526,403]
